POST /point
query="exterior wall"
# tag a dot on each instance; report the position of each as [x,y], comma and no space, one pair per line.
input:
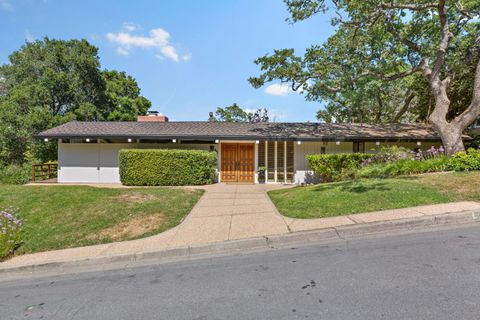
[371,147]
[98,162]
[303,174]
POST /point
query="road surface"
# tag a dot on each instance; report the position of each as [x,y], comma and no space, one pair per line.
[431,275]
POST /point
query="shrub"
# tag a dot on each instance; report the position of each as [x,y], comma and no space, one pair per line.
[465,160]
[15,174]
[10,236]
[336,167]
[166,167]
[404,167]
[392,153]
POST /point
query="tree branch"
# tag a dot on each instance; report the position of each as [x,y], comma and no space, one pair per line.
[470,114]
[412,7]
[405,107]
[445,38]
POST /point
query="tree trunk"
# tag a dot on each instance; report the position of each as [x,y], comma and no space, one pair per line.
[451,136]
[450,132]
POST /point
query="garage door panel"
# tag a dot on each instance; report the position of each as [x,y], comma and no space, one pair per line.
[78,163]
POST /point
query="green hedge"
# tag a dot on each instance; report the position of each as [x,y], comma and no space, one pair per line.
[146,167]
[336,167]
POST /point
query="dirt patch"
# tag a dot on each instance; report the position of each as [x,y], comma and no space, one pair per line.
[135,197]
[132,228]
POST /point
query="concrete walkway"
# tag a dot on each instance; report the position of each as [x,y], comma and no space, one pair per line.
[230,212]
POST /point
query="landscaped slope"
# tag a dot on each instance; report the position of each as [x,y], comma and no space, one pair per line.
[56,217]
[342,198]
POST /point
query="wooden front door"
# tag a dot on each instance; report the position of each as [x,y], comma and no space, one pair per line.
[238,162]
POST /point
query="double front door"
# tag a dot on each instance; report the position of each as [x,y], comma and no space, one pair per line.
[238,162]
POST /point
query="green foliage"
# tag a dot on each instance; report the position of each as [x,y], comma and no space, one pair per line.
[49,82]
[403,167]
[465,160]
[123,97]
[392,153]
[10,232]
[16,174]
[336,167]
[235,113]
[361,73]
[166,167]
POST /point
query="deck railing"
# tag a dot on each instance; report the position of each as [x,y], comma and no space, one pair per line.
[44,171]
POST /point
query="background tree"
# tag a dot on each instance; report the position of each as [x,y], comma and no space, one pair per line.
[124,101]
[383,45]
[50,82]
[235,113]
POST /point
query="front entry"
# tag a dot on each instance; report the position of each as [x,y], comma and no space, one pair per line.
[238,162]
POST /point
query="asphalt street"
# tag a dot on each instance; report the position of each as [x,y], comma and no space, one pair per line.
[431,275]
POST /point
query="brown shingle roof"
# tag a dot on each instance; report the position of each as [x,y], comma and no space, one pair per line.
[237,131]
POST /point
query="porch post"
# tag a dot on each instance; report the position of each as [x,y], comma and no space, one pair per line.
[285,161]
[276,159]
[266,161]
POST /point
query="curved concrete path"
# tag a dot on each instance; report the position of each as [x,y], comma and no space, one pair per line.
[229,212]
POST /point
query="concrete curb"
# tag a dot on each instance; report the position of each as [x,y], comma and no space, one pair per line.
[346,232]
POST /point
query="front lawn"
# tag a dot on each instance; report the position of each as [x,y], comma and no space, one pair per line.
[342,198]
[56,217]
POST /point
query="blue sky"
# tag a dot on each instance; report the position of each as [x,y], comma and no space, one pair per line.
[189,57]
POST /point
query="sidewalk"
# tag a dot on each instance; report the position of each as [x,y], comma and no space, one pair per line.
[230,212]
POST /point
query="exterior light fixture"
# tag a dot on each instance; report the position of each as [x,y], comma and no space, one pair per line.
[174,140]
[299,142]
[377,143]
[87,140]
[217,141]
[419,143]
[129,140]
[46,139]
[257,141]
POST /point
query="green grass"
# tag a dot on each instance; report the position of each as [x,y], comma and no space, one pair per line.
[342,198]
[58,217]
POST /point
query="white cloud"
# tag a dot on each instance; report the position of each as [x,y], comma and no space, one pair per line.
[28,36]
[187,57]
[130,26]
[6,5]
[121,51]
[277,89]
[158,39]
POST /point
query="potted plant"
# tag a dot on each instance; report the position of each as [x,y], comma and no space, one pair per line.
[261,174]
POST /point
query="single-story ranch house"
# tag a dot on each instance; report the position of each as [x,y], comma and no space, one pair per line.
[88,151]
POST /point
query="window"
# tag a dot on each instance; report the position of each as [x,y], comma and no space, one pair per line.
[359,147]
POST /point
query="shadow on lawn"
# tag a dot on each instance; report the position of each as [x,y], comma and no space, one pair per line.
[356,187]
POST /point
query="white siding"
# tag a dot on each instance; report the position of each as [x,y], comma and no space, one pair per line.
[78,163]
[303,174]
[98,162]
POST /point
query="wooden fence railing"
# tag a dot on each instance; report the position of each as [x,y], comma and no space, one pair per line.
[44,171]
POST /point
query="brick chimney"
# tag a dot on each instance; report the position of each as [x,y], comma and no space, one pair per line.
[152,116]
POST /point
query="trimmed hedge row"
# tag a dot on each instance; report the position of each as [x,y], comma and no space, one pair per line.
[161,167]
[335,167]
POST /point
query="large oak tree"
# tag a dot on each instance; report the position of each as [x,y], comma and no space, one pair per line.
[397,46]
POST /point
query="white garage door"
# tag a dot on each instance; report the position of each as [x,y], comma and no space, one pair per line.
[78,162]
